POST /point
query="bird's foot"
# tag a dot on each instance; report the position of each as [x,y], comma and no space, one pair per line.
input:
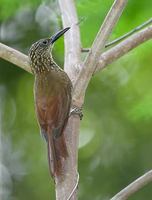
[76,111]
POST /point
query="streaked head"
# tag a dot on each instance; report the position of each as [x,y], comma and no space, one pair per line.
[43,46]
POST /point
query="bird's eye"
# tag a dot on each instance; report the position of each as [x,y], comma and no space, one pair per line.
[45,42]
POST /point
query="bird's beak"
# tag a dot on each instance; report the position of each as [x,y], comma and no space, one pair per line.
[58,35]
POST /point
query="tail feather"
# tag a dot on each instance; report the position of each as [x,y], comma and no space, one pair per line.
[57,153]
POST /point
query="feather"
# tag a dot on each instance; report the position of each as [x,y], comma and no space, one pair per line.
[52,114]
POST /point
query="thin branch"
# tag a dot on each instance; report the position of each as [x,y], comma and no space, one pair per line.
[72,37]
[95,52]
[138,28]
[124,47]
[15,57]
[117,40]
[134,186]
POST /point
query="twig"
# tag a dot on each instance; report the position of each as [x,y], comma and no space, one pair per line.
[85,50]
[82,19]
[15,57]
[134,186]
[123,47]
[95,52]
[138,28]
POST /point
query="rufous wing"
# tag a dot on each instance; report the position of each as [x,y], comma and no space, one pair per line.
[52,114]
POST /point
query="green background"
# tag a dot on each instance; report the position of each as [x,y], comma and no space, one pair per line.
[116,131]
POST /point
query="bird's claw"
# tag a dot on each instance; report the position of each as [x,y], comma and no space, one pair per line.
[76,111]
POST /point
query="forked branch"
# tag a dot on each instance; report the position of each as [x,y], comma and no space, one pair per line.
[124,47]
[138,28]
[117,40]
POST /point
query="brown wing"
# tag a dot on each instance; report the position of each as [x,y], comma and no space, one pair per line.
[53,111]
[52,101]
[52,116]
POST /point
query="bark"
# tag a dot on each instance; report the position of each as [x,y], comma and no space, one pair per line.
[134,186]
[124,47]
[15,57]
[67,188]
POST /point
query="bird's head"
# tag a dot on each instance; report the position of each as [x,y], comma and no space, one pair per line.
[43,46]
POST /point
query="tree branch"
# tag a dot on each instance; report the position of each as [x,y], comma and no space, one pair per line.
[134,186]
[111,55]
[72,37]
[117,40]
[96,49]
[68,187]
[15,57]
[138,28]
[123,47]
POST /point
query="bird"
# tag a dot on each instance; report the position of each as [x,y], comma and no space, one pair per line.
[52,98]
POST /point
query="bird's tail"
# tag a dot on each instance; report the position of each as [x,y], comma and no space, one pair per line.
[57,153]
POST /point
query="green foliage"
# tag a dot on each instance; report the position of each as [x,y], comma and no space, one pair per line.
[115,138]
[9,8]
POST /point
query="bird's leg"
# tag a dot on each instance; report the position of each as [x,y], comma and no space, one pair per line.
[76,111]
